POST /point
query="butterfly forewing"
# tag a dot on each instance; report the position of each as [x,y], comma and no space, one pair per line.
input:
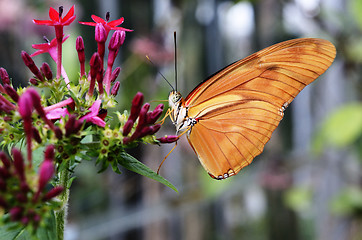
[239,107]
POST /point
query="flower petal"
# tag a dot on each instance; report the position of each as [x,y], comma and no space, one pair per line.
[98,19]
[53,14]
[115,23]
[69,15]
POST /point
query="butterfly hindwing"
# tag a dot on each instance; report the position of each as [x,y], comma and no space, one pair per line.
[239,107]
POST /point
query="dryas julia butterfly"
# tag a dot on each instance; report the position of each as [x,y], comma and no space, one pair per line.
[229,117]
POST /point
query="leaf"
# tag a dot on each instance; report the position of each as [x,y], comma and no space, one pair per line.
[132,164]
[342,128]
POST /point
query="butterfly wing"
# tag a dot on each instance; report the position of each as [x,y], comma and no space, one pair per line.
[239,107]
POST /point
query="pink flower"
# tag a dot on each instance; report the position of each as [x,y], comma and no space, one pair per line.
[56,18]
[92,116]
[108,26]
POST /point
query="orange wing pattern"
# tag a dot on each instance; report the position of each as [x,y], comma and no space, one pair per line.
[239,107]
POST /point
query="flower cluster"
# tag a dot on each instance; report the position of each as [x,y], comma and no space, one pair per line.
[27,201]
[68,118]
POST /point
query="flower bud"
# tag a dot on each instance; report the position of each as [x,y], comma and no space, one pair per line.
[136,106]
[142,119]
[100,33]
[25,104]
[11,92]
[53,193]
[31,65]
[49,152]
[117,40]
[128,127]
[46,172]
[115,74]
[16,213]
[19,163]
[4,159]
[168,139]
[155,114]
[4,76]
[36,135]
[115,89]
[45,68]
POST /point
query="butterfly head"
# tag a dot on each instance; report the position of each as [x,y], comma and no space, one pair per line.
[174,98]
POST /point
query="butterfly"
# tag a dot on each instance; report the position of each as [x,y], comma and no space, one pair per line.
[229,117]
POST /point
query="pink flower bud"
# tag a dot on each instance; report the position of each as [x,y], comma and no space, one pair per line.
[79,44]
[47,71]
[11,92]
[4,173]
[19,164]
[4,76]
[155,114]
[33,81]
[25,104]
[31,65]
[142,119]
[168,139]
[46,172]
[49,152]
[53,193]
[128,127]
[16,213]
[81,56]
[36,135]
[115,89]
[5,159]
[117,40]
[58,132]
[115,74]
[136,106]
[100,33]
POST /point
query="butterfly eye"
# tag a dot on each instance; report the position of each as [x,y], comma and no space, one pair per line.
[176,97]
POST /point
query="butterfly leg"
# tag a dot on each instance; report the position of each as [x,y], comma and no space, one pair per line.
[168,113]
[159,167]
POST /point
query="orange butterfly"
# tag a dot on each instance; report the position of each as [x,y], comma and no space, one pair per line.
[231,116]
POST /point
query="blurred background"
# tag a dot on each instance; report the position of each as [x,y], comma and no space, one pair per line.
[305,185]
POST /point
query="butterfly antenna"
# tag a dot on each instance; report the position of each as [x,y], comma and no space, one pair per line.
[174,38]
[160,73]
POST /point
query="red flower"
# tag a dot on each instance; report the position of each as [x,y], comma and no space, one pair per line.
[92,116]
[56,18]
[108,26]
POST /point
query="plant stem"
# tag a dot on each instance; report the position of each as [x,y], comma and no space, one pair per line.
[61,215]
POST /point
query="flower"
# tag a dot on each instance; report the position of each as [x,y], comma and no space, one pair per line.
[92,116]
[56,18]
[51,48]
[108,26]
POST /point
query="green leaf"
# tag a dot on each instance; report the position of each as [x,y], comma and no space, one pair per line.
[132,164]
[342,128]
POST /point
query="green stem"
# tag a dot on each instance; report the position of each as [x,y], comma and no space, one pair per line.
[61,215]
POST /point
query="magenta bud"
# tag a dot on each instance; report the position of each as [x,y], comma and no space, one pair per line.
[128,127]
[25,104]
[46,172]
[47,71]
[168,139]
[4,76]
[115,74]
[69,126]
[126,140]
[16,213]
[79,44]
[155,128]
[36,135]
[33,81]
[95,64]
[115,88]
[142,119]
[18,163]
[31,65]
[155,114]
[49,152]
[100,33]
[4,159]
[25,220]
[136,106]
[53,193]
[117,40]
[11,92]
[58,132]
